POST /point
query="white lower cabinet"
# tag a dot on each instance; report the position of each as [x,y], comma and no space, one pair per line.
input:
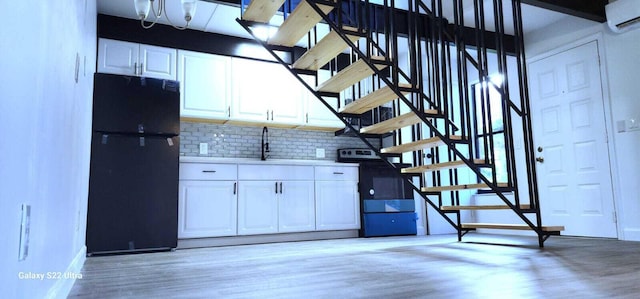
[207,209]
[267,207]
[257,208]
[296,207]
[217,200]
[336,193]
[337,205]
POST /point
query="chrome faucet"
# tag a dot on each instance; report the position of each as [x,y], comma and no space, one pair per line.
[265,145]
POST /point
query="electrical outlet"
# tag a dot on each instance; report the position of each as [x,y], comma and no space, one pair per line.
[204,148]
[320,153]
[633,124]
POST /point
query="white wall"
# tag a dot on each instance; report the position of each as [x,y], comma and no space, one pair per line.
[45,123]
[621,62]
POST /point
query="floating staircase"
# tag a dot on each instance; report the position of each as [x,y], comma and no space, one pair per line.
[440,129]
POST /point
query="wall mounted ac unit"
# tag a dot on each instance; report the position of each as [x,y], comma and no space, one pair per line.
[623,15]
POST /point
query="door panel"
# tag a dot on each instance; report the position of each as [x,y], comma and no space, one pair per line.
[257,208]
[569,125]
[133,194]
[296,207]
[207,209]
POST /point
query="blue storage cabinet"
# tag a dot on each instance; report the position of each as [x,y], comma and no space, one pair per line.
[388,218]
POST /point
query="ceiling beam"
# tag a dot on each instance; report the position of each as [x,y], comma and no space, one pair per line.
[587,9]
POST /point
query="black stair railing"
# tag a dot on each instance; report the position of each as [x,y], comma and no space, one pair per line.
[431,73]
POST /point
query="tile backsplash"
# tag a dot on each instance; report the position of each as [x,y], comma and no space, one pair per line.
[230,141]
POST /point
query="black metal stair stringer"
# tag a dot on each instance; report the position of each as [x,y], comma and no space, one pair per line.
[484,74]
[450,143]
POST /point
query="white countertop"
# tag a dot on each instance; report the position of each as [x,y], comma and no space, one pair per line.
[192,159]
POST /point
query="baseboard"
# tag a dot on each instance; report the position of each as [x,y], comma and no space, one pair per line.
[62,287]
[631,234]
[269,238]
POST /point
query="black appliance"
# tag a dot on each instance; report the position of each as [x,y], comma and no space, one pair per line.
[133,184]
[366,119]
[386,199]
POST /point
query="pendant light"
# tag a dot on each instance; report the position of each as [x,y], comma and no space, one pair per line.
[144,6]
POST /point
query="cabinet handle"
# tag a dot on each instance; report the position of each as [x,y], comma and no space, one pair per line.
[229,111]
[135,68]
[276,187]
[267,114]
[141,68]
[235,188]
[209,171]
[307,118]
[271,114]
[336,172]
[280,187]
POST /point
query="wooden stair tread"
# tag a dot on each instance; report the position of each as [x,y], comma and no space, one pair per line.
[299,23]
[511,226]
[326,49]
[261,10]
[417,145]
[482,207]
[395,123]
[373,100]
[440,166]
[351,75]
[461,187]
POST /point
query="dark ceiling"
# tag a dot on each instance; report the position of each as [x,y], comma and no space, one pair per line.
[587,9]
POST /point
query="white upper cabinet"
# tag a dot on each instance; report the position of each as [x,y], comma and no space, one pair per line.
[133,59]
[205,85]
[157,62]
[118,57]
[265,92]
[317,114]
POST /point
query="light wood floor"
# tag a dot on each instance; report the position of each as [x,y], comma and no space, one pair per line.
[392,267]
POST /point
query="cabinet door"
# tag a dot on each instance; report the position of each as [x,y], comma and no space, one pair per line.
[288,98]
[252,87]
[317,114]
[257,207]
[158,62]
[296,206]
[337,205]
[204,85]
[207,209]
[117,57]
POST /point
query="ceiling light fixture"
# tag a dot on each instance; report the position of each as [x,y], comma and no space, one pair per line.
[143,7]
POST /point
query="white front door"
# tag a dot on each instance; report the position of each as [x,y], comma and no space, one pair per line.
[574,175]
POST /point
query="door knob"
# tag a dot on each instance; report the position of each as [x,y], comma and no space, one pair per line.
[539,149]
[540,159]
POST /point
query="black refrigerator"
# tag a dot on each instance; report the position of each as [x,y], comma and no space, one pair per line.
[133,183]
